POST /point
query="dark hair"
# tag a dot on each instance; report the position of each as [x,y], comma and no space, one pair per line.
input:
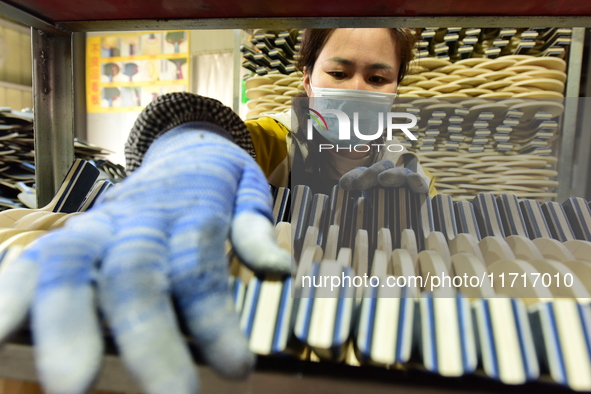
[313,41]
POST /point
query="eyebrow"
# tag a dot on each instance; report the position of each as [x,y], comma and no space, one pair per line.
[375,66]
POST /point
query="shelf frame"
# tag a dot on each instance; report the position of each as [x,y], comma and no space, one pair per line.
[55,133]
[325,22]
[53,98]
[282,375]
[54,57]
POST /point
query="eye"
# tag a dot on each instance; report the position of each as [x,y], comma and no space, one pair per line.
[376,79]
[338,74]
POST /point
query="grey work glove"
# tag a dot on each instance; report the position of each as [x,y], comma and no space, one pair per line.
[383,173]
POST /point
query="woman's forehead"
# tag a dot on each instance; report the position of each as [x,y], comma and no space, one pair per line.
[361,46]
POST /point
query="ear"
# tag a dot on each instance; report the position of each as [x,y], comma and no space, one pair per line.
[306,82]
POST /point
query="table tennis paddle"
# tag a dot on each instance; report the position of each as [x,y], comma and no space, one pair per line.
[111,94]
[175,38]
[130,69]
[179,67]
[111,70]
[78,182]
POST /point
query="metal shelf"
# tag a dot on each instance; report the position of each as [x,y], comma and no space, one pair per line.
[85,10]
[286,376]
[55,25]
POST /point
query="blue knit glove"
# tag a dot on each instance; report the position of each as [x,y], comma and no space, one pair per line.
[384,173]
[155,244]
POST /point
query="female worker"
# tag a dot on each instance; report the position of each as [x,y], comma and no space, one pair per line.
[153,251]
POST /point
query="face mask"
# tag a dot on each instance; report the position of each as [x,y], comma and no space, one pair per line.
[362,94]
[365,111]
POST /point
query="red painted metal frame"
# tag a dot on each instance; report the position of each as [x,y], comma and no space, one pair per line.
[89,10]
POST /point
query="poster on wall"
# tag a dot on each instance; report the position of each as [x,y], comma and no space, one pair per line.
[125,72]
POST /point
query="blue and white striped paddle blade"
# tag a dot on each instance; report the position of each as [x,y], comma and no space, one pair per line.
[325,311]
[447,339]
[266,315]
[562,328]
[507,348]
[384,325]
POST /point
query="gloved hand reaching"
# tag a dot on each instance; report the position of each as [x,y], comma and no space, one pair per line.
[383,173]
[156,242]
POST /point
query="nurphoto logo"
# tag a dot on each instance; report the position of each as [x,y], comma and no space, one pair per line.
[341,121]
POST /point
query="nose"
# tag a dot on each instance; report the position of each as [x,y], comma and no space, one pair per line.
[358,82]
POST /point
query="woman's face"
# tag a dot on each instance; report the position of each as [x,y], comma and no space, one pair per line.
[361,59]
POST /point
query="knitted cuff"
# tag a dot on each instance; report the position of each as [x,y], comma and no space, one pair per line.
[181,139]
[173,109]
